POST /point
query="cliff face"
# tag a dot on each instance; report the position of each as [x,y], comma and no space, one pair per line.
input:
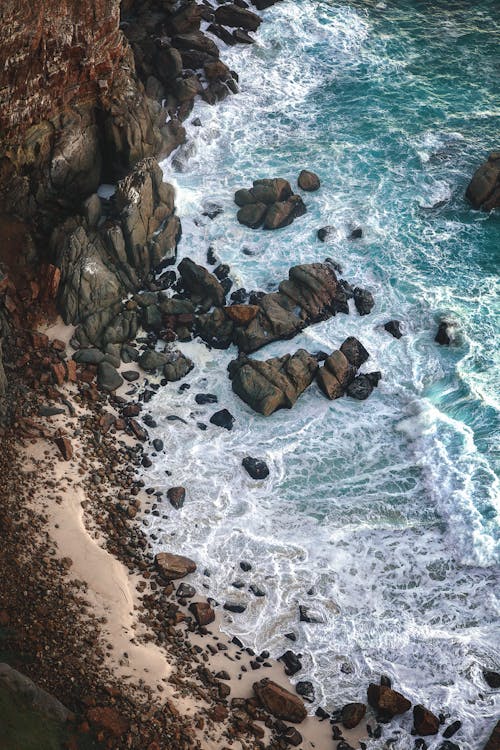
[72,110]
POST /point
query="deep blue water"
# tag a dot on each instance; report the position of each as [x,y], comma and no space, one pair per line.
[387,509]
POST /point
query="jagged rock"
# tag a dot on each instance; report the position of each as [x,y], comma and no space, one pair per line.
[387,701]
[335,375]
[362,386]
[483,190]
[272,384]
[305,689]
[326,232]
[257,468]
[186,18]
[282,214]
[352,714]
[308,181]
[241,315]
[394,328]
[363,299]
[205,289]
[443,334]
[65,447]
[233,16]
[424,721]
[222,418]
[215,328]
[177,366]
[172,566]
[280,702]
[354,351]
[292,663]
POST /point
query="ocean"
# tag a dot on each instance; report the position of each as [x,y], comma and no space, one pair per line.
[382,515]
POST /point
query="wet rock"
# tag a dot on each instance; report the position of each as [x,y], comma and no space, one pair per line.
[356,233]
[292,663]
[223,418]
[206,398]
[203,613]
[271,191]
[235,607]
[308,181]
[352,714]
[394,328]
[362,386]
[424,721]
[448,745]
[256,591]
[176,496]
[107,377]
[65,447]
[305,615]
[257,468]
[172,566]
[233,16]
[386,701]
[252,215]
[452,729]
[245,566]
[363,299]
[420,744]
[280,702]
[158,445]
[282,214]
[494,740]
[443,334]
[185,591]
[483,190]
[326,232]
[204,287]
[242,315]
[305,689]
[244,197]
[272,384]
[354,351]
[335,375]
[177,366]
[492,678]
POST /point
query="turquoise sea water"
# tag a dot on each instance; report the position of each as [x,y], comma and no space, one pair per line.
[386,510]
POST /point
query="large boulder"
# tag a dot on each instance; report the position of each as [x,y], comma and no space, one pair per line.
[270,191]
[483,190]
[308,181]
[283,213]
[335,375]
[234,16]
[424,721]
[177,366]
[204,287]
[272,384]
[172,567]
[252,214]
[386,701]
[281,703]
[354,351]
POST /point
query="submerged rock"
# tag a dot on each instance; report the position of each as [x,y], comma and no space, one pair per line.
[443,334]
[257,468]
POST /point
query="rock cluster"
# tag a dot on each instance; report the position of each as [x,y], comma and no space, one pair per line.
[269,203]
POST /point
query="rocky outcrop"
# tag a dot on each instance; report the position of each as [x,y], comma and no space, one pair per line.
[335,375]
[483,190]
[280,702]
[274,383]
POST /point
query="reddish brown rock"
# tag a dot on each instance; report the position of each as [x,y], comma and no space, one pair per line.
[352,713]
[308,181]
[387,701]
[242,315]
[59,372]
[494,740]
[484,188]
[424,721]
[172,566]
[279,702]
[177,496]
[109,719]
[203,612]
[65,447]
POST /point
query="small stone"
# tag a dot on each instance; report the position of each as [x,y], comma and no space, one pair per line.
[176,496]
[255,467]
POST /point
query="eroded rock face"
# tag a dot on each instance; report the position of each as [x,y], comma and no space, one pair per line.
[275,383]
[483,190]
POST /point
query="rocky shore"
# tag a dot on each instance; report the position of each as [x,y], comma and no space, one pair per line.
[102,643]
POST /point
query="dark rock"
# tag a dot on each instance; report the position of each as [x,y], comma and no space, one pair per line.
[447,745]
[354,351]
[234,607]
[256,591]
[385,680]
[176,366]
[361,387]
[352,714]
[452,729]
[107,377]
[176,496]
[271,191]
[272,384]
[151,360]
[292,663]
[308,181]
[244,197]
[280,702]
[483,190]
[239,296]
[185,591]
[158,445]
[172,566]
[326,232]
[394,328]
[205,289]
[130,375]
[257,468]
[425,722]
[336,374]
[88,356]
[356,233]
[233,16]
[420,744]
[305,689]
[223,418]
[492,744]
[245,566]
[305,615]
[206,398]
[386,701]
[443,334]
[242,37]
[282,214]
[363,299]
[492,678]
[252,215]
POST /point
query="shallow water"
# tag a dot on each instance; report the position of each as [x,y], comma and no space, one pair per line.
[385,509]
